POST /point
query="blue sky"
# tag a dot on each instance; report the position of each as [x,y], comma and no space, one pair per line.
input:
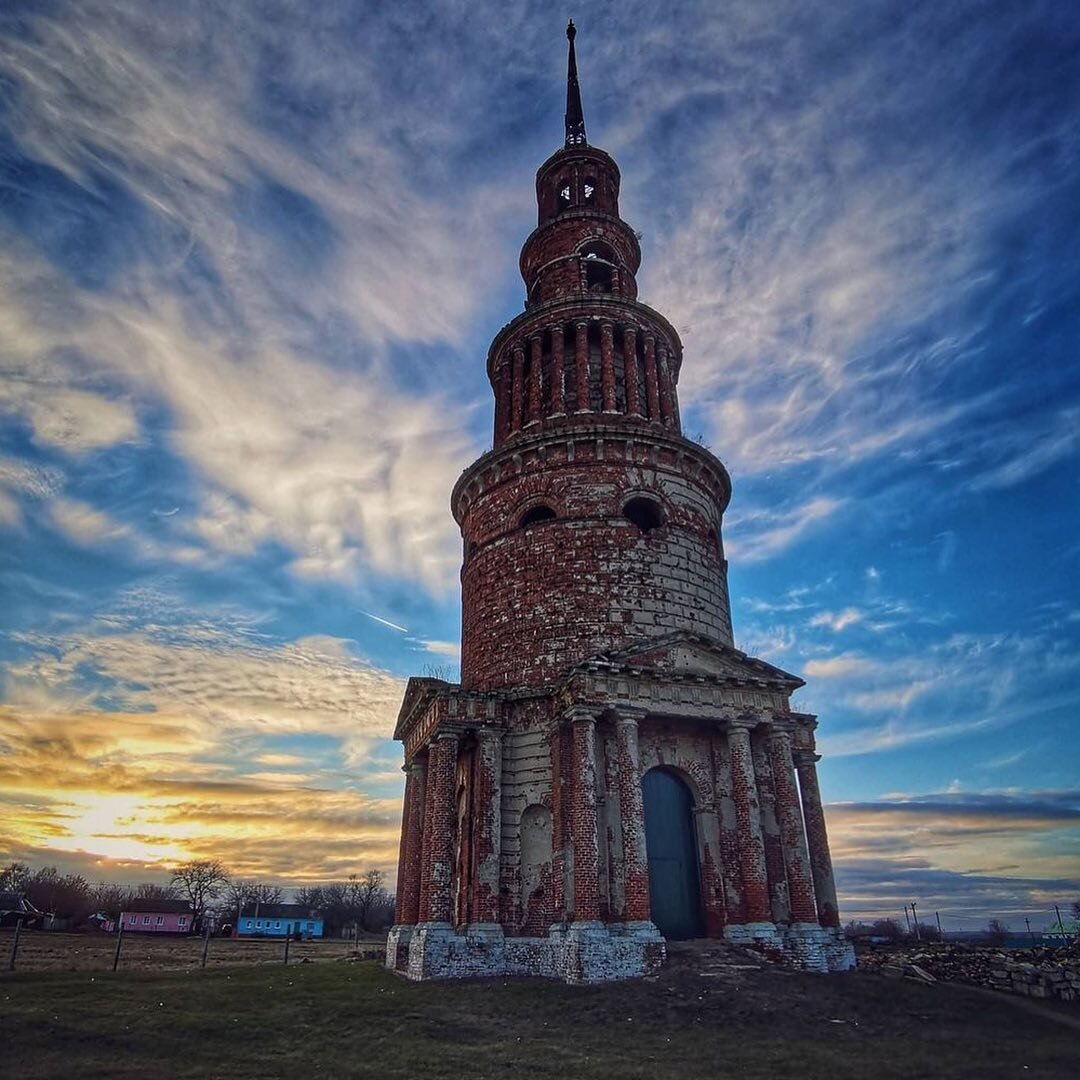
[251,259]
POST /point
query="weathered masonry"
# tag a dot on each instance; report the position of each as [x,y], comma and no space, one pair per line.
[611,771]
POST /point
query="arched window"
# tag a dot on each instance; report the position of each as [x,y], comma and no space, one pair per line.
[588,188]
[643,512]
[535,514]
[566,194]
[599,262]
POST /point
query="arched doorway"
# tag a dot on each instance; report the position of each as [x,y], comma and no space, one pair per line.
[674,884]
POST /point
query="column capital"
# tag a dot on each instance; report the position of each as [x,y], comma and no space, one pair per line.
[440,735]
[745,722]
[627,714]
[779,729]
[489,732]
[579,714]
[806,757]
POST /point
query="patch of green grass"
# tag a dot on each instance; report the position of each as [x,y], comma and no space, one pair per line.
[356,1020]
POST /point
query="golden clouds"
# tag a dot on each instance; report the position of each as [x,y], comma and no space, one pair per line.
[199,769]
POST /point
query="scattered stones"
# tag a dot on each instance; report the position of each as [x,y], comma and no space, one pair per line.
[1038,972]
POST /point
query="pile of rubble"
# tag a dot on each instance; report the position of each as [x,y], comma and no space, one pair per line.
[1038,972]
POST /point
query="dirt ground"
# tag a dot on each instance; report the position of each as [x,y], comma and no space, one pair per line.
[44,951]
[712,1013]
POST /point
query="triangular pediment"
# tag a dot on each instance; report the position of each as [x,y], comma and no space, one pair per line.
[693,655]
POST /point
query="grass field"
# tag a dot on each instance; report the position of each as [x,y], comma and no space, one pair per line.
[40,951]
[355,1020]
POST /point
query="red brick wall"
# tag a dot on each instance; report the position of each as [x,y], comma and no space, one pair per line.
[538,599]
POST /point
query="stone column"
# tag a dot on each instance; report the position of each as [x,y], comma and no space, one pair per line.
[775,868]
[487,818]
[442,762]
[536,377]
[607,367]
[629,350]
[727,820]
[789,815]
[503,403]
[632,817]
[402,863]
[652,385]
[817,840]
[581,366]
[748,817]
[558,360]
[517,393]
[412,832]
[665,387]
[583,832]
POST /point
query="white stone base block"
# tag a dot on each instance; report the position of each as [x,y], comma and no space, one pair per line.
[801,945]
[583,952]
[397,947]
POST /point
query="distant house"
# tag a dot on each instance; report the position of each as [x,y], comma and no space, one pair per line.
[279,920]
[14,907]
[157,917]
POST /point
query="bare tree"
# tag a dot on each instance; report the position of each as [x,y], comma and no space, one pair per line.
[365,894]
[149,890]
[238,895]
[199,881]
[15,877]
[996,931]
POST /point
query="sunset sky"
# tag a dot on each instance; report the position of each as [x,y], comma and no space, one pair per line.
[251,258]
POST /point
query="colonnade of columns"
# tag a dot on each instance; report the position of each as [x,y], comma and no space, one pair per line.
[760,758]
[553,373]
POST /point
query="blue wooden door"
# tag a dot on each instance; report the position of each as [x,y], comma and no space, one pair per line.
[674,885]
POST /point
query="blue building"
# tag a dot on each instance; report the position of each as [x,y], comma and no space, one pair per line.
[279,921]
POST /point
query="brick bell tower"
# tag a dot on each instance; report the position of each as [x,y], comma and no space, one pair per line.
[611,771]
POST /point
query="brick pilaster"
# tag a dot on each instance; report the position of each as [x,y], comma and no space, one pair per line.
[583,831]
[755,881]
[607,367]
[558,374]
[536,377]
[817,840]
[581,365]
[792,836]
[770,831]
[412,832]
[630,371]
[632,817]
[487,823]
[652,382]
[442,767]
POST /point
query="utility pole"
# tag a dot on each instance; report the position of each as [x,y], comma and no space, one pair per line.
[15,945]
[941,933]
[915,920]
[119,942]
[906,919]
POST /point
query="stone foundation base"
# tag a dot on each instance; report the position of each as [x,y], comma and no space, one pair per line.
[582,952]
[800,945]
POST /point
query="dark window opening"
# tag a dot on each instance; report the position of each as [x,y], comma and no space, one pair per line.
[589,188]
[599,262]
[565,195]
[599,277]
[536,514]
[644,513]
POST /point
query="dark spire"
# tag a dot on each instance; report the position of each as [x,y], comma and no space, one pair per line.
[575,118]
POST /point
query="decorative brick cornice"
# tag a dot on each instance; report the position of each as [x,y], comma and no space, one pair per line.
[633,442]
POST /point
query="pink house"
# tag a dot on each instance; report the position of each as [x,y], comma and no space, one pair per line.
[157,917]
